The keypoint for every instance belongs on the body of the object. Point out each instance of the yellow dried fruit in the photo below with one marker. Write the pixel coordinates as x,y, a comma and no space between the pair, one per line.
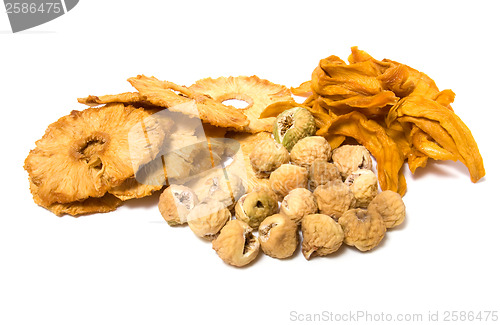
334,198
322,172
255,206
321,235
87,153
288,177
309,149
298,203
106,203
236,245
362,229
364,186
257,93
278,236
207,219
218,186
267,156
175,203
349,158
388,205
132,189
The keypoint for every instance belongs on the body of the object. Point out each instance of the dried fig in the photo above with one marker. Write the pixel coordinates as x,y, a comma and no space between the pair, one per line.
267,156
207,218
292,125
349,158
286,178
322,235
389,205
236,245
175,203
220,188
364,185
309,149
322,172
333,198
362,229
298,203
278,236
255,206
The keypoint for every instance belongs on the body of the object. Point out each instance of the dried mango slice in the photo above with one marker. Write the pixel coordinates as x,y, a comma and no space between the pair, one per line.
444,126
86,153
373,136
304,90
258,93
343,87
184,100
425,144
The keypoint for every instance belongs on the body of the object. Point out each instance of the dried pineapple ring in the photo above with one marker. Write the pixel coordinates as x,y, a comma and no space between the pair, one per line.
132,189
88,152
258,93
104,204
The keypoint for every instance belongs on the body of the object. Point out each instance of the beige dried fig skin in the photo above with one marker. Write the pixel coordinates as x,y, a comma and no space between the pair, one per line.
309,149
219,187
364,185
322,172
255,206
278,236
208,218
288,177
349,158
267,156
390,207
362,229
321,235
333,198
175,203
297,204
236,245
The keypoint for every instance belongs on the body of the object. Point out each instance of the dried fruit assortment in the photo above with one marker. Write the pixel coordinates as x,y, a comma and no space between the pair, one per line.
271,176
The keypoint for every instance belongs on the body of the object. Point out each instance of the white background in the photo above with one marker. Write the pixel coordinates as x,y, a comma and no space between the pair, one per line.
130,267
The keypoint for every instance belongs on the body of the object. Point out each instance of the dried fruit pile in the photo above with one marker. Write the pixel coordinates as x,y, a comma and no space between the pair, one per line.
294,168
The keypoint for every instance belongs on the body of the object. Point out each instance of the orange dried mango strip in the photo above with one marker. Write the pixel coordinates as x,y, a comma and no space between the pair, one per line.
423,143
373,136
304,90
423,110
334,77
416,159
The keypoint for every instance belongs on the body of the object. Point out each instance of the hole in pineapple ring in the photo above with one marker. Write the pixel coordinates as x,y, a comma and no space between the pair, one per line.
239,101
236,103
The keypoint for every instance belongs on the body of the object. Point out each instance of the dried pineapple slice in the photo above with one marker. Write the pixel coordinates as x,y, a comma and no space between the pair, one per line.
106,203
132,189
88,152
258,93
124,98
184,100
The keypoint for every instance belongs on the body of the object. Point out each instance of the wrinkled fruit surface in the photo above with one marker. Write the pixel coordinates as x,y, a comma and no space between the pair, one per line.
278,236
236,245
292,125
322,235
362,230
389,205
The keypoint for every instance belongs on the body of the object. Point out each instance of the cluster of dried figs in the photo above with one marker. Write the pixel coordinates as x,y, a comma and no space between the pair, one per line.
318,196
